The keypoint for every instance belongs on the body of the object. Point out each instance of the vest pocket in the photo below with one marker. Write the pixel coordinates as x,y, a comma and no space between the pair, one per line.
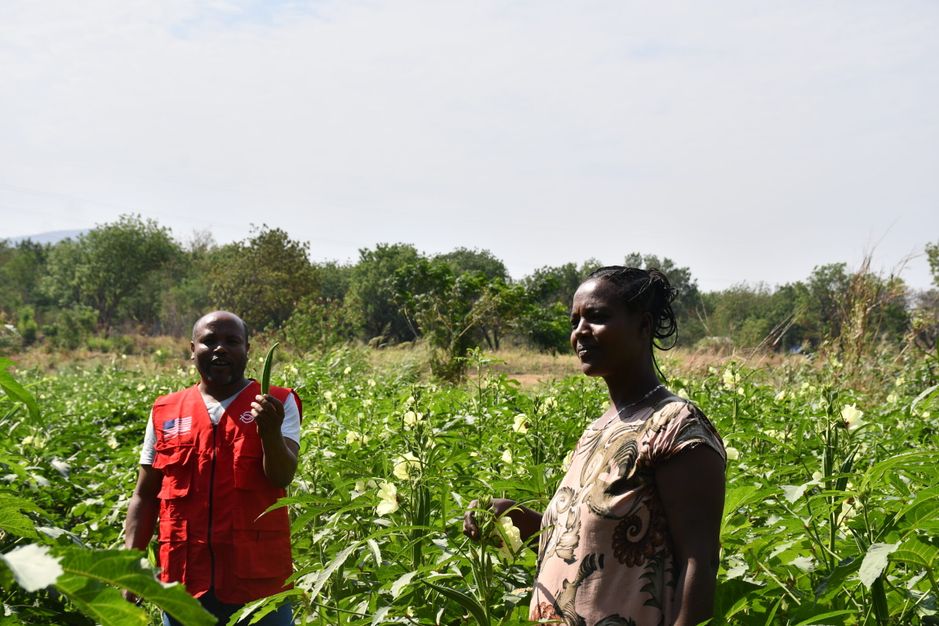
173,549
174,463
262,554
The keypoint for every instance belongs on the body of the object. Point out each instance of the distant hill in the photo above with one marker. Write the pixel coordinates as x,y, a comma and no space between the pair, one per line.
52,236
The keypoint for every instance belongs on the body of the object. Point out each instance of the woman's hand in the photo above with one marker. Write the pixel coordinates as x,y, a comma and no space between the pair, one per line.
526,520
498,506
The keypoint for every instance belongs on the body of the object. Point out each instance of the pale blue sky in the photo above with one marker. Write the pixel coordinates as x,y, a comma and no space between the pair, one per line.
748,140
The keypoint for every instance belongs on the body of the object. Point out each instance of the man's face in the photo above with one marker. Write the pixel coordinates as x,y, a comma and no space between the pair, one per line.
219,349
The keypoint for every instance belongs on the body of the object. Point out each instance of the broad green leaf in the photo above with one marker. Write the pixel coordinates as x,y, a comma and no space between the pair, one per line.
12,517
917,552
875,561
92,579
921,515
918,459
16,391
731,595
104,604
737,497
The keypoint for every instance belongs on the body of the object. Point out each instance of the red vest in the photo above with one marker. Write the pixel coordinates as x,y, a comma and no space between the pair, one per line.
214,490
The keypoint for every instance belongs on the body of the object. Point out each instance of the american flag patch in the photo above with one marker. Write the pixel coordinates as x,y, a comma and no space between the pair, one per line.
176,427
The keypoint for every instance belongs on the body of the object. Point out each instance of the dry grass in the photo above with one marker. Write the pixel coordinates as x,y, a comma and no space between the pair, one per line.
531,368
528,367
144,353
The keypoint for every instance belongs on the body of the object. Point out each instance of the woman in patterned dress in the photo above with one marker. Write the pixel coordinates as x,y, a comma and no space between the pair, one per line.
631,536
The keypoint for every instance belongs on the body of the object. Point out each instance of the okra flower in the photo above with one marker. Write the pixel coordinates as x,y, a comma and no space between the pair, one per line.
387,499
406,466
852,417
731,379
411,419
520,424
511,538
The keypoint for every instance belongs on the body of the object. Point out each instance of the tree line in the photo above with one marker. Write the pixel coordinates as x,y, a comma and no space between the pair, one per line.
133,276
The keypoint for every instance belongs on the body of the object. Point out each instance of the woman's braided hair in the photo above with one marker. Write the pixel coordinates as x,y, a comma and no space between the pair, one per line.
645,291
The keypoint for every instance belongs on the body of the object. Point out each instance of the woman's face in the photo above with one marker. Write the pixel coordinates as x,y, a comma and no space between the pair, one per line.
608,339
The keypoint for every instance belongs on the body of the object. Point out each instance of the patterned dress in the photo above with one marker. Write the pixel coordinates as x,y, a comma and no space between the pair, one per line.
605,556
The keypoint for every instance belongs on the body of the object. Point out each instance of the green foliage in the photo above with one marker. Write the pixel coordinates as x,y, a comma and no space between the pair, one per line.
130,276
389,464
444,307
319,324
87,578
21,267
27,326
92,580
71,326
372,301
188,296
742,312
932,256
12,389
263,278
117,269
463,260
543,321
333,280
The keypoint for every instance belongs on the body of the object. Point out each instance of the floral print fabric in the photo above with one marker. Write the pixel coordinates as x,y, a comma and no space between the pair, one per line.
605,556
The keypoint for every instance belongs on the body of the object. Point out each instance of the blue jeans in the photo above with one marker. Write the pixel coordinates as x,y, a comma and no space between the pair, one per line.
283,616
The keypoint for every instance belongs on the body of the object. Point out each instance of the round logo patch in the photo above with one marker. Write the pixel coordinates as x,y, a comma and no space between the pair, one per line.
247,417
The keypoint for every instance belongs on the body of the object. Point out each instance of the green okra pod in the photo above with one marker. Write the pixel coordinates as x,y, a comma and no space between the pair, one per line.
266,370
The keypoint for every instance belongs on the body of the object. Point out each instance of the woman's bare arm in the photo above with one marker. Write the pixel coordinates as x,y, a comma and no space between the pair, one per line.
691,488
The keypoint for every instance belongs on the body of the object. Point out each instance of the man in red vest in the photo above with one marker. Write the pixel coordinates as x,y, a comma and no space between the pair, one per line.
215,457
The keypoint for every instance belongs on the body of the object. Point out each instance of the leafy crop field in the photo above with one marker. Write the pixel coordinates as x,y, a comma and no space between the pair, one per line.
831,517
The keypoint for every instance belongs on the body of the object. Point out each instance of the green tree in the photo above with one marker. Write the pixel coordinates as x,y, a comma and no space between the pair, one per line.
189,295
932,255
333,280
507,297
262,278
371,301
820,308
21,267
463,260
740,313
117,269
544,320
449,309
